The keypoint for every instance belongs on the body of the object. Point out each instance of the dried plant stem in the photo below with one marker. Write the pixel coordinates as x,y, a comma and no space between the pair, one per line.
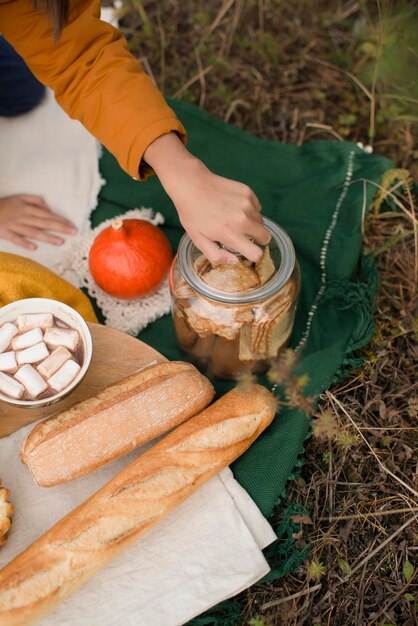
294,596
163,46
234,24
201,78
372,123
341,71
389,604
219,17
371,554
333,400
340,518
191,81
261,15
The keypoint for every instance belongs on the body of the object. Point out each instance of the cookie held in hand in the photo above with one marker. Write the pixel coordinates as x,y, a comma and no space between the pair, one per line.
6,510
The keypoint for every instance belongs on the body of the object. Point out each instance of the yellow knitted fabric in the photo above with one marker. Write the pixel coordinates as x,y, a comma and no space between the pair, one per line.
23,278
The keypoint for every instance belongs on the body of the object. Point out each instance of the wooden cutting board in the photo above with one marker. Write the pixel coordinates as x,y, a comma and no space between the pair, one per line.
115,355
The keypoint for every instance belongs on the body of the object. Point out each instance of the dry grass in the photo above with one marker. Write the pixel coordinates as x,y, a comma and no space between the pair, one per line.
295,72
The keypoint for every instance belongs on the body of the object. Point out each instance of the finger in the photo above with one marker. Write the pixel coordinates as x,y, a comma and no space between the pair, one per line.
256,202
211,250
257,231
48,224
35,233
18,240
257,217
36,200
43,213
243,245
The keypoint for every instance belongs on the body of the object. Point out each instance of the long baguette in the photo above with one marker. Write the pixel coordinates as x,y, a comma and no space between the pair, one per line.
120,418
134,500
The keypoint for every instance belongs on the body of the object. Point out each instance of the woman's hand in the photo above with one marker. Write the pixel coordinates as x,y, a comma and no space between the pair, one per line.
24,218
212,209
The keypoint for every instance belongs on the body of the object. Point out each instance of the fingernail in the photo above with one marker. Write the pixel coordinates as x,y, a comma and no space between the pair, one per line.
74,230
232,260
59,242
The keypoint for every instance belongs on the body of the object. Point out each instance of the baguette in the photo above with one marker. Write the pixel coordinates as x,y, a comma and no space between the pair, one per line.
134,500
122,417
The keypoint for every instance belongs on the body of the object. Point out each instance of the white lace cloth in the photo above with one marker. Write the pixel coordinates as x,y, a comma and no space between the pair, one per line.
130,316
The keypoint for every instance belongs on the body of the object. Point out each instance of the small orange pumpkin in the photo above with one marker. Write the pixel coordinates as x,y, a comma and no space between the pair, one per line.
130,258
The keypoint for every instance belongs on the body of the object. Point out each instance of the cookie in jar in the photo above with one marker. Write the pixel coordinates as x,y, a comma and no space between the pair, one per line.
234,320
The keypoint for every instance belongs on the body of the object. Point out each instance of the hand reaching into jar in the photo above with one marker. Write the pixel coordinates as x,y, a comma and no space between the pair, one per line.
212,209
24,218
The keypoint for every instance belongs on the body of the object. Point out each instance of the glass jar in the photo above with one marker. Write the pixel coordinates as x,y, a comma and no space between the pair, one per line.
234,320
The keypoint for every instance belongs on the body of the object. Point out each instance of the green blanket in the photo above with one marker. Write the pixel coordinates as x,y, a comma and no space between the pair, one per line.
316,192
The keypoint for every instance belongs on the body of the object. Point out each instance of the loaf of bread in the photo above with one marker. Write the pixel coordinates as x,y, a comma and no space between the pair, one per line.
134,500
123,416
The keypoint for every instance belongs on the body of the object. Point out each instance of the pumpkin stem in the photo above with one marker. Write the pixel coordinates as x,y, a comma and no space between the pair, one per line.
117,224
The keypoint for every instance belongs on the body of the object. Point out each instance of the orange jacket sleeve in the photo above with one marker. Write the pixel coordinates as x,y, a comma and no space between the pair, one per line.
95,78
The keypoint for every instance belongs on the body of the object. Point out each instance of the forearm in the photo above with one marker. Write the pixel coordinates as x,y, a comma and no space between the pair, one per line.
168,156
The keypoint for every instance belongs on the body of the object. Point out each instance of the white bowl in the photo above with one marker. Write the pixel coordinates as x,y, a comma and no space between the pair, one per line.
9,313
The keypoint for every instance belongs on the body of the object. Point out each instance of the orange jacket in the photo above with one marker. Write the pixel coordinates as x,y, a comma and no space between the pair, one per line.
95,78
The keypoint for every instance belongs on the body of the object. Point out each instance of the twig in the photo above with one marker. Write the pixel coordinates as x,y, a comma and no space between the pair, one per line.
324,127
342,14
221,14
261,15
330,482
191,81
364,208
234,104
201,79
333,399
234,24
163,46
369,556
269,605
148,69
372,123
341,71
389,427
389,604
340,518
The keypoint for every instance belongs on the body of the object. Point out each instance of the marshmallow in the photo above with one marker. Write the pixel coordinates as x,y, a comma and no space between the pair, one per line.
7,332
67,337
33,383
27,339
34,354
64,376
8,362
35,320
60,323
53,362
10,387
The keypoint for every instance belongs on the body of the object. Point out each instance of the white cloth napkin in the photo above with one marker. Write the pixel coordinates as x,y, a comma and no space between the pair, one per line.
46,153
205,551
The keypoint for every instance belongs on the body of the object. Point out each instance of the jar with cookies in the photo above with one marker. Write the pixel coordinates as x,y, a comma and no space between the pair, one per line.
234,320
